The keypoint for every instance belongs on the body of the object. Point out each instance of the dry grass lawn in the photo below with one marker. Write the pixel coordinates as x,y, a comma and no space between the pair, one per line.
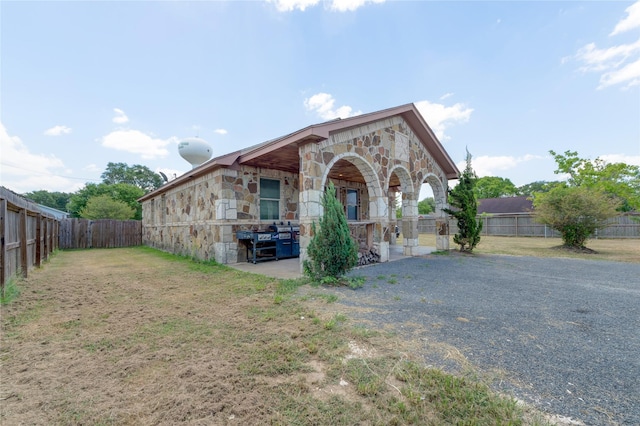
617,250
137,337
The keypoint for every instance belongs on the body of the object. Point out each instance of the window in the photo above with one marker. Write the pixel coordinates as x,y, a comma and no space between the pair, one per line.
352,204
269,199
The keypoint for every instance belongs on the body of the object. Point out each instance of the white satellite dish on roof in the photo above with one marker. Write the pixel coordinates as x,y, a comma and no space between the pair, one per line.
195,150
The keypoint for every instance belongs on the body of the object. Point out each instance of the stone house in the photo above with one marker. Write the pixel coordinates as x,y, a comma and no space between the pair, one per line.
371,159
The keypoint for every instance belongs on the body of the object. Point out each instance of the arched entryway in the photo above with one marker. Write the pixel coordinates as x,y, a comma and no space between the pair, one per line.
404,196
439,192
366,205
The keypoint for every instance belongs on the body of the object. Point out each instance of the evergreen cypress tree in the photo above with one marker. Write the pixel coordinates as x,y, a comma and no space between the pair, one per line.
332,252
463,198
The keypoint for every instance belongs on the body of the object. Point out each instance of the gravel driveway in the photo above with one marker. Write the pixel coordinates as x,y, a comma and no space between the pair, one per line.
561,334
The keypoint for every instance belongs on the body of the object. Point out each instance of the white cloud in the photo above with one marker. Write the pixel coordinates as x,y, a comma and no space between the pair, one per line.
631,21
619,64
290,5
439,116
350,5
334,5
445,96
57,131
322,104
23,171
595,59
633,160
120,117
486,165
136,142
629,73
220,131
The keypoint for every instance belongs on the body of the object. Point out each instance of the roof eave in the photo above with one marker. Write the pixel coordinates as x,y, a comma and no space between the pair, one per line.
209,166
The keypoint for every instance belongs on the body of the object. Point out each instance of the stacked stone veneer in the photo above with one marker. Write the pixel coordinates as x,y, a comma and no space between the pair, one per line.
200,217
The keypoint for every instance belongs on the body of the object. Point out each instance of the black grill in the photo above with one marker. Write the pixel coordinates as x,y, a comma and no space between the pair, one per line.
277,242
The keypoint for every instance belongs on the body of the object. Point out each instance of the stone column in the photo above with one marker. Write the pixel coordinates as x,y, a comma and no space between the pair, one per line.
379,214
442,233
442,219
226,210
310,194
410,223
393,221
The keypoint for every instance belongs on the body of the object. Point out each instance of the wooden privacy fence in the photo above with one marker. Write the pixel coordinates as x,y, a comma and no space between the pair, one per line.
524,225
27,236
101,233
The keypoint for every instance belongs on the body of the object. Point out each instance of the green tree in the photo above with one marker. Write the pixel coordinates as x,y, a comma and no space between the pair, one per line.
124,192
56,200
426,206
576,212
617,179
105,207
494,187
332,252
137,175
463,199
538,186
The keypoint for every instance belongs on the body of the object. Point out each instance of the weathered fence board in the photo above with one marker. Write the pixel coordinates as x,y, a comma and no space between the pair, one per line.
101,233
524,225
27,236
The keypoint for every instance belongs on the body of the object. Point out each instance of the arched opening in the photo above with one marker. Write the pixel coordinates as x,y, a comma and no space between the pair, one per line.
352,188
435,222
437,191
366,208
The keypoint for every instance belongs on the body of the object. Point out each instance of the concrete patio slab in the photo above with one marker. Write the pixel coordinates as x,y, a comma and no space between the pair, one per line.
290,268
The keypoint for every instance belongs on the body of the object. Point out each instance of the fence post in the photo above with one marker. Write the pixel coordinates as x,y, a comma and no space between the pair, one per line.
3,247
46,232
39,242
24,264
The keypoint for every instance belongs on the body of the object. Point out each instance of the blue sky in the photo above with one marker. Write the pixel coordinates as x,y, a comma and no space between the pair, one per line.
87,83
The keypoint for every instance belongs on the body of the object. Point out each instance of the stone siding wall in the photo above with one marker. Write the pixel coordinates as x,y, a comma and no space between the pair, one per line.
200,218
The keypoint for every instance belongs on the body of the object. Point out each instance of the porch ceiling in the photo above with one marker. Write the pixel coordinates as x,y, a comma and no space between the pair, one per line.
285,158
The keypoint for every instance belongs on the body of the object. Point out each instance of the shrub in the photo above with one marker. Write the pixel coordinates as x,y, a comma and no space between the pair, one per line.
575,212
463,198
332,252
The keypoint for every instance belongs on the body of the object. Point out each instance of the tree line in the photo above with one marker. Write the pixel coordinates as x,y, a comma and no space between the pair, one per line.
116,197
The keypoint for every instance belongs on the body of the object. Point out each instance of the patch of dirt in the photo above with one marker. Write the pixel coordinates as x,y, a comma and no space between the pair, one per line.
571,249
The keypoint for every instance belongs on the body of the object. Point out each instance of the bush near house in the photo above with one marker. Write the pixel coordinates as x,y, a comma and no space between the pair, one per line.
332,252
